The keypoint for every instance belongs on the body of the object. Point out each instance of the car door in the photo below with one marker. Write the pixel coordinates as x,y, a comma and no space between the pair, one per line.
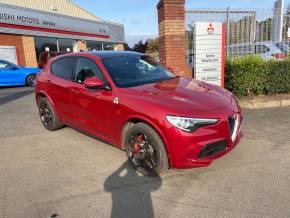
93,109
10,74
58,84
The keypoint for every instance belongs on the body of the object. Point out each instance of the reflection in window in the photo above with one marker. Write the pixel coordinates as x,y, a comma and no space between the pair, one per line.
66,45
99,46
94,46
86,68
109,46
63,68
44,44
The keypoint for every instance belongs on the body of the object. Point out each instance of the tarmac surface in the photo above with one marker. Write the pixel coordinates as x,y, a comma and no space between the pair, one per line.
69,174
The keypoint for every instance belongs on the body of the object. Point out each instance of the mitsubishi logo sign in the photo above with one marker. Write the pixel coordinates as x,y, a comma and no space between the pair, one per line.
209,48
210,29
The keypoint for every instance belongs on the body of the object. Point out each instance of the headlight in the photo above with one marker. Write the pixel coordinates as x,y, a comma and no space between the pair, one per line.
189,124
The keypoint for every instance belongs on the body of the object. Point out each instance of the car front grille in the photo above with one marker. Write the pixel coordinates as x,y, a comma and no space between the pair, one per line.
213,149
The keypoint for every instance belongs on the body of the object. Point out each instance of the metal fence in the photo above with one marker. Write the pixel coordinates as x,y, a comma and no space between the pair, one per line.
251,31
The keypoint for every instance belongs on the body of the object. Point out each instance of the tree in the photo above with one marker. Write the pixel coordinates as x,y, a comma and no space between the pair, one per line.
141,46
127,47
153,45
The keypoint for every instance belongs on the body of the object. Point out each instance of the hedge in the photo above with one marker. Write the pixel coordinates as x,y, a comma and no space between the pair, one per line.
251,75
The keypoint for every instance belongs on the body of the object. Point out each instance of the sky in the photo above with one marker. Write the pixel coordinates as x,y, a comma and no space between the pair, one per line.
140,16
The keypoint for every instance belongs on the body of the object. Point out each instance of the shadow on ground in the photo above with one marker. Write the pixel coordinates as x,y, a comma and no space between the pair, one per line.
14,96
131,192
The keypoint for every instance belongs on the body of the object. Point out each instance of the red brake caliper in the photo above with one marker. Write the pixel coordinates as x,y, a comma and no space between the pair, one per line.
138,140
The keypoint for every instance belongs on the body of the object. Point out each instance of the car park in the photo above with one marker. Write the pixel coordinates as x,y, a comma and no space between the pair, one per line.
134,103
13,75
266,50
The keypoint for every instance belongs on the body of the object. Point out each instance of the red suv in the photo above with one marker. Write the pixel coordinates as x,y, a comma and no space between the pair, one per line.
132,102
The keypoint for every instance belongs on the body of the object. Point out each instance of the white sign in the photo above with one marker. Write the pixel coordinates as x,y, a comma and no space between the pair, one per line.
34,22
41,19
209,52
8,53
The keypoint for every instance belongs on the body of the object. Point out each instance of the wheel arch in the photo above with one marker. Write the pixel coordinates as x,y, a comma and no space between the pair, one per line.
137,119
42,94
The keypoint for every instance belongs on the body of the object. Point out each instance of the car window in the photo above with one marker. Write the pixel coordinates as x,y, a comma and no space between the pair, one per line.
261,49
3,65
86,68
63,68
6,65
136,70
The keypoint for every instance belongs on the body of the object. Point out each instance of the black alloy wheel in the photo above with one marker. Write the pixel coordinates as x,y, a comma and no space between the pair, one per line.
45,115
30,80
145,150
48,116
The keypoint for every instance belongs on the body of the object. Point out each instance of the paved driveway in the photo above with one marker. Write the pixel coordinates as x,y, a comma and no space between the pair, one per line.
68,174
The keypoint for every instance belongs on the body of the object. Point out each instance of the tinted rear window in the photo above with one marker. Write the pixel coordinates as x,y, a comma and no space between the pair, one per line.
63,68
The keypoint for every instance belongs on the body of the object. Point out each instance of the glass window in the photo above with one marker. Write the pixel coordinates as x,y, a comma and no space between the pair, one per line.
66,45
261,49
63,68
108,46
135,70
44,44
94,46
3,65
86,68
7,65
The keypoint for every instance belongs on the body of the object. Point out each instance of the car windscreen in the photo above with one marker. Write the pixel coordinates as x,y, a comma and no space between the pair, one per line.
136,70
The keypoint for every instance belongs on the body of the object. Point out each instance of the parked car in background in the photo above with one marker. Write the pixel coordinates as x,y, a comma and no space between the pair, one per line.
283,46
13,75
131,101
267,50
45,56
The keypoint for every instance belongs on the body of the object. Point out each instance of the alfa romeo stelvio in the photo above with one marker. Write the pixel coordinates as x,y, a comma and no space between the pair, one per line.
132,102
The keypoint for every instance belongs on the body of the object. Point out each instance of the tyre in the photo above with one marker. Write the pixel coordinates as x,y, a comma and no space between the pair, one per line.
145,150
30,79
48,116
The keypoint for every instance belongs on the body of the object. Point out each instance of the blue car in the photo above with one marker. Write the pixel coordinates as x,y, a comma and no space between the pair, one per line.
13,75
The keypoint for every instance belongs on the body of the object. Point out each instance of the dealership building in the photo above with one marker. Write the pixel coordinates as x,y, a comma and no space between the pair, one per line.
32,27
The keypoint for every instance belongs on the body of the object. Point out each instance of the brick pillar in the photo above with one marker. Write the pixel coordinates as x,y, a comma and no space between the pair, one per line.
25,46
119,47
29,51
171,21
81,45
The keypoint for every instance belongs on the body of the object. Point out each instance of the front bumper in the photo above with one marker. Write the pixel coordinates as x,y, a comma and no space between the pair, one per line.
202,147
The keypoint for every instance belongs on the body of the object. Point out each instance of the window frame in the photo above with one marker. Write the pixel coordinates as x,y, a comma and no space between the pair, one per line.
4,63
261,47
94,62
73,69
9,65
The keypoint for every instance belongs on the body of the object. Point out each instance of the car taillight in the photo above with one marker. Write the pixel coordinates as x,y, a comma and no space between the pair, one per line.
279,56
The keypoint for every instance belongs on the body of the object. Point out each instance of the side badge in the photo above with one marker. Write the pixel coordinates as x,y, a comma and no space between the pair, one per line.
116,100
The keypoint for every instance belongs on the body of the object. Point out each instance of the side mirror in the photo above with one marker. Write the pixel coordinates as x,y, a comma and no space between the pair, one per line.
95,83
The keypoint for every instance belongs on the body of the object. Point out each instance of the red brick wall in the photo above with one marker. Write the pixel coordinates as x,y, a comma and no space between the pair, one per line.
82,45
171,19
25,46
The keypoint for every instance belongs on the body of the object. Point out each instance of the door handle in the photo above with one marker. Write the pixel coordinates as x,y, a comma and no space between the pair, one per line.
78,91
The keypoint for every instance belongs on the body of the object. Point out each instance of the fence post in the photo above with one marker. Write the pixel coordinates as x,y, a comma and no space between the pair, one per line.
228,32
